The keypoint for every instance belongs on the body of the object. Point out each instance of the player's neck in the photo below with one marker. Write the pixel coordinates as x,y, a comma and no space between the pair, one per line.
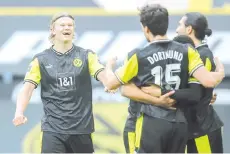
196,41
157,37
63,47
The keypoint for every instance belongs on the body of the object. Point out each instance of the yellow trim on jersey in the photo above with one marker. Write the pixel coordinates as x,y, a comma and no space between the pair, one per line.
194,60
129,70
91,135
41,136
193,80
208,66
94,65
139,125
203,144
33,75
131,140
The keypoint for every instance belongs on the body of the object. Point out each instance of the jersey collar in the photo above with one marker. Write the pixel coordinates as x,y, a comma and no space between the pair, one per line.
202,44
158,41
59,53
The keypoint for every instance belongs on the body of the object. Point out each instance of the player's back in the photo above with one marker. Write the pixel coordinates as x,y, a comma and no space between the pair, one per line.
206,117
165,63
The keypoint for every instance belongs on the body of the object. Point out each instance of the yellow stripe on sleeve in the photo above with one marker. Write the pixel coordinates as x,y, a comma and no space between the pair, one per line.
33,75
129,70
95,66
194,60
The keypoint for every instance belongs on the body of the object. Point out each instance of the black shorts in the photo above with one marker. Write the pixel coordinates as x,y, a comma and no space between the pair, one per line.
154,135
129,141
209,143
63,143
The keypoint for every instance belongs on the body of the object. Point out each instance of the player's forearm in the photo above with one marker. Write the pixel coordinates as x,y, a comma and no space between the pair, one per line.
108,79
22,101
142,98
212,79
155,92
112,81
191,95
218,76
24,98
208,79
134,93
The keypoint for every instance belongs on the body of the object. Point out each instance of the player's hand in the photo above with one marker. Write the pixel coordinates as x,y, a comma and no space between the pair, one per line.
219,65
166,101
111,61
214,96
110,91
19,119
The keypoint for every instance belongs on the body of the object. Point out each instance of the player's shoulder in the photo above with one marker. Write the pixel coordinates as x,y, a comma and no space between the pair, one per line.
204,50
44,53
186,49
181,46
82,50
134,51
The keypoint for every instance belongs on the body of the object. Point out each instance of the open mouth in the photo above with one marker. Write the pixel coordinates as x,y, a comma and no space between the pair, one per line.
66,33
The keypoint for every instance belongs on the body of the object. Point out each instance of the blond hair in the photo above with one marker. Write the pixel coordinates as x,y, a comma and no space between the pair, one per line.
55,18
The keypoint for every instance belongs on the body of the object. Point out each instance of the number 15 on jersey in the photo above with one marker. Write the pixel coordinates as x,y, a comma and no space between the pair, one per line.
169,76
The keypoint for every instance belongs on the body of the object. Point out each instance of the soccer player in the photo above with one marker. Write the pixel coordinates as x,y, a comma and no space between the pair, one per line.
64,72
134,107
129,135
164,63
205,125
195,129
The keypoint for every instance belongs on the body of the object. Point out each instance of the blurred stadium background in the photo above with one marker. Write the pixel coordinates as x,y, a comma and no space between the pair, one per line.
107,27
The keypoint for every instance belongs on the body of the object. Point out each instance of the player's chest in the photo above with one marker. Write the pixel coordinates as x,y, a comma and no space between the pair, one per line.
64,67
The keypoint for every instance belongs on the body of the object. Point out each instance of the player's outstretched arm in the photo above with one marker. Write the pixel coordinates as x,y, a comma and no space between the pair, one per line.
197,70
104,74
208,79
22,102
108,78
121,76
131,91
191,95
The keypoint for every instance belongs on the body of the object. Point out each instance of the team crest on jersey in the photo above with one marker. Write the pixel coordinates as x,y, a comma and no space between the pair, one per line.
77,62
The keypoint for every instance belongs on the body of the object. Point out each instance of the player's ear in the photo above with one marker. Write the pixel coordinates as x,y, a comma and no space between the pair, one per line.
189,30
147,30
52,29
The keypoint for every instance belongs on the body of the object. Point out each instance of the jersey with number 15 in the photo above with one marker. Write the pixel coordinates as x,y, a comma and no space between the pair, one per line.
164,63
